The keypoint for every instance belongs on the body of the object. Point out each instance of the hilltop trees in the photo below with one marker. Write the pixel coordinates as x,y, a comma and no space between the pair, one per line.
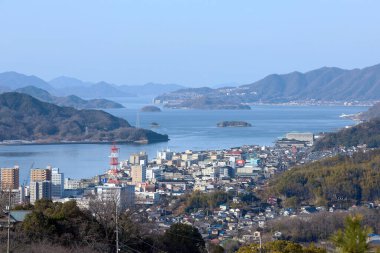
184,239
353,239
342,180
364,133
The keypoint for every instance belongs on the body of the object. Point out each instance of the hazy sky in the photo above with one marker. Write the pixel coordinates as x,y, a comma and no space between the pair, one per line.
189,42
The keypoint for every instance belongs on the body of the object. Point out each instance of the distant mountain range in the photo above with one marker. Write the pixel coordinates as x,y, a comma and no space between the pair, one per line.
23,117
68,85
71,100
65,86
324,84
12,80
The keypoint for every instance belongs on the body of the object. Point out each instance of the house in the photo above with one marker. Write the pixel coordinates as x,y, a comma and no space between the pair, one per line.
373,242
15,217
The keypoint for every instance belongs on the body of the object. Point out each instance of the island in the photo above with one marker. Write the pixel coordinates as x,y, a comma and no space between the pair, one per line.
154,124
233,124
205,103
27,120
150,108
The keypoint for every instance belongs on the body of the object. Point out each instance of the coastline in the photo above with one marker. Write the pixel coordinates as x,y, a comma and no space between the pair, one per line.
31,143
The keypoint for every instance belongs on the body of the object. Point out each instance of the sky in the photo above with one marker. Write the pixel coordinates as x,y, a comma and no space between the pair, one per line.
188,42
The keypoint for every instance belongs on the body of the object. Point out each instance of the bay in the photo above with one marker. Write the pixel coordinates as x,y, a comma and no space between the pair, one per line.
187,129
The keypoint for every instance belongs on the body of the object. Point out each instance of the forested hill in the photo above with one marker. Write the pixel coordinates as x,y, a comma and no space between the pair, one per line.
23,117
364,133
339,180
371,113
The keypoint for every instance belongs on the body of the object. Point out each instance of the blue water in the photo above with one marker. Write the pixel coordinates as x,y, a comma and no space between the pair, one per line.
187,129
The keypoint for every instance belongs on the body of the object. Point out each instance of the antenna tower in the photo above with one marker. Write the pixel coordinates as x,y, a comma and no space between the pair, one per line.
114,159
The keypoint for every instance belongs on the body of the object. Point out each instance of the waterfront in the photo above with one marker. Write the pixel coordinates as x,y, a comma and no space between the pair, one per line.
187,129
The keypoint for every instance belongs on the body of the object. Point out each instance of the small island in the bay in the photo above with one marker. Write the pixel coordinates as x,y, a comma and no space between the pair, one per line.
154,124
150,108
233,124
27,120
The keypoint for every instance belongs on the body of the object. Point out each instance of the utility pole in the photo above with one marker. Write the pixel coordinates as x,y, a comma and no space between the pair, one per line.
9,218
117,229
260,243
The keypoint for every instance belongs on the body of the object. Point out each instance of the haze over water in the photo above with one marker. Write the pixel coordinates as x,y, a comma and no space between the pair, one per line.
187,129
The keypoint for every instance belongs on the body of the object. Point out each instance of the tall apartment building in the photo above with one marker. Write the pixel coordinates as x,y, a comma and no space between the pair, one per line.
138,173
40,184
57,183
38,175
40,190
10,178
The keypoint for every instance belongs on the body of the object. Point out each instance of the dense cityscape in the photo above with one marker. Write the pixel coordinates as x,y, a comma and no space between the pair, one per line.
171,188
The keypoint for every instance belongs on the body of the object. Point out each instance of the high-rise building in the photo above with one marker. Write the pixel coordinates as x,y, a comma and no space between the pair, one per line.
57,183
40,184
38,175
40,190
122,196
10,178
138,173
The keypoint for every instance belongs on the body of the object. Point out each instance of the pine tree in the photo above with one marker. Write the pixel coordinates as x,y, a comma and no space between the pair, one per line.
353,239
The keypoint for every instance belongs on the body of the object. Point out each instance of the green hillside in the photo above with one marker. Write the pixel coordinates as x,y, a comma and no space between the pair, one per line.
340,180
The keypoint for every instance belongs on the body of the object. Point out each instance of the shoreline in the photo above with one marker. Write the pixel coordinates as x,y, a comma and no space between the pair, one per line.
31,143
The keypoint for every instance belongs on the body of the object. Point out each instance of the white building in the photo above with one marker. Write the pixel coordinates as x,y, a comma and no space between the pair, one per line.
40,190
308,137
57,183
165,155
123,196
71,183
147,198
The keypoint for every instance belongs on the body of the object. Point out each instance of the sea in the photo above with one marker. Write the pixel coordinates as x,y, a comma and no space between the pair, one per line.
187,130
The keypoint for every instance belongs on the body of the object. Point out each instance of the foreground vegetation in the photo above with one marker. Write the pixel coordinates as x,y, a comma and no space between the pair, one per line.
57,227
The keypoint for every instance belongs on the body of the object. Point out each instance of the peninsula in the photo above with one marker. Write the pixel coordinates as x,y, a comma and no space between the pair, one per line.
24,119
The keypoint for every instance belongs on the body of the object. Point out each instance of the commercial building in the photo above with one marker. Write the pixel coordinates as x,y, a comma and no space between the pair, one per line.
138,173
57,183
71,183
10,178
122,196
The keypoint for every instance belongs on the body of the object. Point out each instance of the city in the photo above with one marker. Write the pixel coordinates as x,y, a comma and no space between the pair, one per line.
240,208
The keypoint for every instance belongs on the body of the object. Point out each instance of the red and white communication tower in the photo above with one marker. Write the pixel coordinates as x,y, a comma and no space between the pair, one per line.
114,160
